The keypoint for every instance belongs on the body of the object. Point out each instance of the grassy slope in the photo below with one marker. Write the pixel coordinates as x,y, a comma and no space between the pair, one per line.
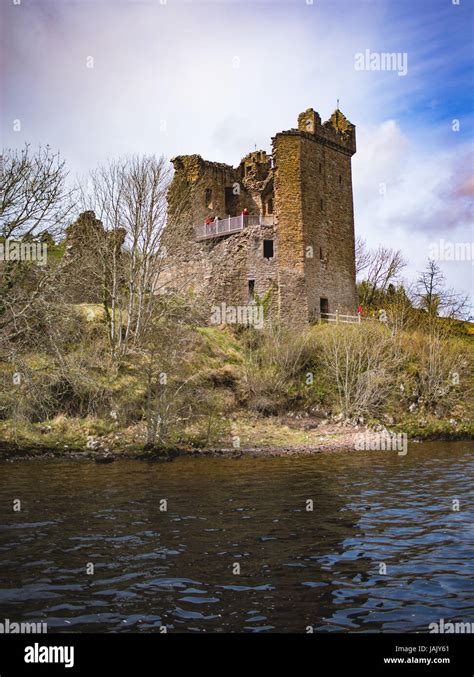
220,359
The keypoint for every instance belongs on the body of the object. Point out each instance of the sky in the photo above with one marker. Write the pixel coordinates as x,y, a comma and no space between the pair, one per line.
97,79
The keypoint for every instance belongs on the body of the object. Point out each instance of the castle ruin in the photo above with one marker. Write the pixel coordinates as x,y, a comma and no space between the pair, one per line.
279,227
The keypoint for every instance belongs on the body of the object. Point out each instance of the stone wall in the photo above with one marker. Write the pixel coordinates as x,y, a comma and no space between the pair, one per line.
221,268
292,302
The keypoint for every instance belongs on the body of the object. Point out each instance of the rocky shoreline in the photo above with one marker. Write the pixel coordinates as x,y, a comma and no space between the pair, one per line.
343,441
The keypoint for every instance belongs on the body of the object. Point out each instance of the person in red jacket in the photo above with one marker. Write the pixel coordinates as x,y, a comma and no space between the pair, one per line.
245,212
360,311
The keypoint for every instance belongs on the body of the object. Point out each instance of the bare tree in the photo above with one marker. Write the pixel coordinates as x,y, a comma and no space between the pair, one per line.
433,297
146,186
362,255
383,268
35,202
34,196
129,196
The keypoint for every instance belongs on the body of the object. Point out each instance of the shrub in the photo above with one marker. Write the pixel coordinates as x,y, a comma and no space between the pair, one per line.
359,364
272,364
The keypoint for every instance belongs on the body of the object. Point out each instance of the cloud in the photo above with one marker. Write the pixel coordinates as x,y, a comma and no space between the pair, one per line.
408,195
465,185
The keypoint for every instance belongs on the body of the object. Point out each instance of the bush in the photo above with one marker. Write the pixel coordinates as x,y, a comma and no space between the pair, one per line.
359,365
440,374
270,367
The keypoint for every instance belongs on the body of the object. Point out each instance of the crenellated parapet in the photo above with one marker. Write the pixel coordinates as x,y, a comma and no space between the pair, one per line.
194,167
337,132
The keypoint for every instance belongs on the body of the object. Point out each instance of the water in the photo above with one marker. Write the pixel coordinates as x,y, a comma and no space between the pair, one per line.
298,568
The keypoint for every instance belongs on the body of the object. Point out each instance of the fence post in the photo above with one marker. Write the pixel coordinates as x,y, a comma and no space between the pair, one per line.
360,319
337,317
229,223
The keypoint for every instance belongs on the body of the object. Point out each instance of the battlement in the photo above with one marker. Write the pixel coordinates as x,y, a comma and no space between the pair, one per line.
337,132
194,167
256,159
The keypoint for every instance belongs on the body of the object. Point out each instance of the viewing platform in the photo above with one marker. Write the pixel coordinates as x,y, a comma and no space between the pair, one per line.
230,225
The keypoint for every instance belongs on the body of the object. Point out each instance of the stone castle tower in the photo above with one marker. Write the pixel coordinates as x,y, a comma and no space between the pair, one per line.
295,246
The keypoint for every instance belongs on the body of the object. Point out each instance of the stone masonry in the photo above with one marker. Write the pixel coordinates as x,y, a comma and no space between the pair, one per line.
296,248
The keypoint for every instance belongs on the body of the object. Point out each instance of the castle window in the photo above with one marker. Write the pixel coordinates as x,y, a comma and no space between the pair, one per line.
340,179
321,204
208,198
320,168
251,291
323,306
268,249
231,201
270,206
321,256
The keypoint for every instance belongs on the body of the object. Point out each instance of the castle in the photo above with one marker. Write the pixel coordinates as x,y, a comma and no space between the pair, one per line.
278,227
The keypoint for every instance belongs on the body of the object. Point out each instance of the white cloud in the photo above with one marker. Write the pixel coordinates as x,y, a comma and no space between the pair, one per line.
427,197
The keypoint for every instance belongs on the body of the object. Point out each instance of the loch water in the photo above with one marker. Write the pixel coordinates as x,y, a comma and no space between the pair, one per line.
387,547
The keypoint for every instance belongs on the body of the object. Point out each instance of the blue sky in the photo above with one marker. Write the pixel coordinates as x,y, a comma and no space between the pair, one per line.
218,77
